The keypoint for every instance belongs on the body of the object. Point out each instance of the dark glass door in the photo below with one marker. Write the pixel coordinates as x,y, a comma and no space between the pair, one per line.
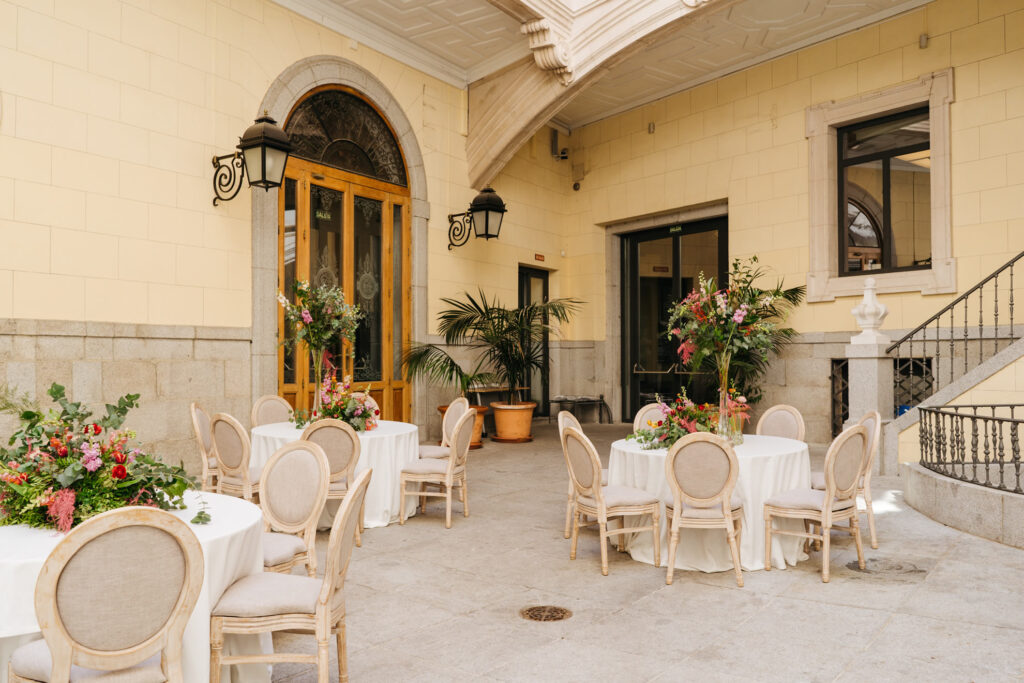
533,288
659,268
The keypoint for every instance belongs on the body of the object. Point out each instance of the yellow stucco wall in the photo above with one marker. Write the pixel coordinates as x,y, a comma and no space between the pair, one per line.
742,139
1005,386
111,114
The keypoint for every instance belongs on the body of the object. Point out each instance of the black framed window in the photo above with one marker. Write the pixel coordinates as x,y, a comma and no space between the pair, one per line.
885,193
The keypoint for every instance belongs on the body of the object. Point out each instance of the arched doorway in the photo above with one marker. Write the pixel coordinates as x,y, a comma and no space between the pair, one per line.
344,219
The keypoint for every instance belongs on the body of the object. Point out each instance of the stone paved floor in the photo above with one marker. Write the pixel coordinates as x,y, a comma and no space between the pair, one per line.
430,604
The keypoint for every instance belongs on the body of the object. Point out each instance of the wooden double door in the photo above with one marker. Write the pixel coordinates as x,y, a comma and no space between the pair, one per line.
347,230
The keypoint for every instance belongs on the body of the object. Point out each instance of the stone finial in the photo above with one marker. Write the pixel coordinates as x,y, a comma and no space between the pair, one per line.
869,314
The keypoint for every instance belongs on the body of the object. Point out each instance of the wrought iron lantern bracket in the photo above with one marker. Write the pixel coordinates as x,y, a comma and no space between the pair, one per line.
459,228
227,177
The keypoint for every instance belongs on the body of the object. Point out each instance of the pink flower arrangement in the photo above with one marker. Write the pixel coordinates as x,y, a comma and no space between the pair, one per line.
338,401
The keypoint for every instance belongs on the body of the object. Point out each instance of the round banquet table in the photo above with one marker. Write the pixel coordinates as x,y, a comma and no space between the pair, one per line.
232,548
768,465
387,448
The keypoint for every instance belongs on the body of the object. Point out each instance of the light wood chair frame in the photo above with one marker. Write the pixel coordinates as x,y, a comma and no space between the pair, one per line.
864,489
802,428
210,473
305,529
454,476
730,520
346,474
567,419
248,489
642,415
326,620
824,519
65,651
602,512
263,400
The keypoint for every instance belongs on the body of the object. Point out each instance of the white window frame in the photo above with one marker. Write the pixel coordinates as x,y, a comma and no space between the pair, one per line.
823,280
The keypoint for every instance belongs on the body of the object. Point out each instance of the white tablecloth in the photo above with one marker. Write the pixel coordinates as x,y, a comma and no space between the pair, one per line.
232,548
387,449
768,465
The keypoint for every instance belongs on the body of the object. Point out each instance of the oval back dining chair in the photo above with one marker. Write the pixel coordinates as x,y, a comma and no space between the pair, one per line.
652,412
701,470
872,421
343,448
451,415
293,490
268,602
443,474
114,596
270,409
782,420
232,448
567,419
603,502
844,462
204,439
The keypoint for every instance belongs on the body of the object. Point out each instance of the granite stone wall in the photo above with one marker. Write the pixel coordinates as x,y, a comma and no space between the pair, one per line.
169,366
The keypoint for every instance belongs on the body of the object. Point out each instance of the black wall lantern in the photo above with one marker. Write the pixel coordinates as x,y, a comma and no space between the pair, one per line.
484,217
262,154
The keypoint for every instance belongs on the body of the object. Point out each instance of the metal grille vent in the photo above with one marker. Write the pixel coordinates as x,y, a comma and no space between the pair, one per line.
545,613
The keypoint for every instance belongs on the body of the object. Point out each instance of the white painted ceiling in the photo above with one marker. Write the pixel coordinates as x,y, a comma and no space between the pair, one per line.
461,41
711,44
458,41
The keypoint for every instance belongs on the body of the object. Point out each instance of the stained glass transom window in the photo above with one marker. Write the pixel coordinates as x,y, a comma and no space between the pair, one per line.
338,129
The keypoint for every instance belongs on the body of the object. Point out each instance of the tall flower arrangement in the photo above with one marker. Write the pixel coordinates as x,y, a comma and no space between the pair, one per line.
63,467
320,317
738,321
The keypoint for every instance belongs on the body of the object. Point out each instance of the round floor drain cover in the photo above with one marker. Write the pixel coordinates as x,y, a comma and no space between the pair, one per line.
545,613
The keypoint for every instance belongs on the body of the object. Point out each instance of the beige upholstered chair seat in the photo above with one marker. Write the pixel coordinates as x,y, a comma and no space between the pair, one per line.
806,499
254,476
212,462
621,496
278,548
713,512
337,487
427,466
33,661
430,451
269,593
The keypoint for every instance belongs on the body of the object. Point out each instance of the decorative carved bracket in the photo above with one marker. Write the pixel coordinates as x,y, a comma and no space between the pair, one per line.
550,53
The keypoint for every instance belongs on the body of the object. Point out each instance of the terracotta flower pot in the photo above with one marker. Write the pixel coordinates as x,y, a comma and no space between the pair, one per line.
513,422
478,425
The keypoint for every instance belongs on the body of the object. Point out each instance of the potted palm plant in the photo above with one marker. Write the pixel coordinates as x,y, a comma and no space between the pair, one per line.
433,363
509,342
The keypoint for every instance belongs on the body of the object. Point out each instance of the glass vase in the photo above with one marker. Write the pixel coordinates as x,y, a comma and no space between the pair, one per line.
724,429
318,381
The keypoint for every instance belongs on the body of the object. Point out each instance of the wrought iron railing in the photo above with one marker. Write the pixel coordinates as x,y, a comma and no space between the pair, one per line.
979,444
964,334
839,379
